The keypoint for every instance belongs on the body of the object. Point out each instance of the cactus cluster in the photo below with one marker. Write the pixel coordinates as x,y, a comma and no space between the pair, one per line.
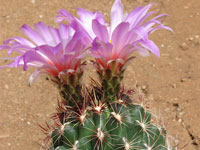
97,124
101,117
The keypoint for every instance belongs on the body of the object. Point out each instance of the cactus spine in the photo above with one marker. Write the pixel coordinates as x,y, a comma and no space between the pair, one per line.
97,122
119,126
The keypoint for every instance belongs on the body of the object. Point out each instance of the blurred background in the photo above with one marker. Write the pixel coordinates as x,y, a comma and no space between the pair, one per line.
171,83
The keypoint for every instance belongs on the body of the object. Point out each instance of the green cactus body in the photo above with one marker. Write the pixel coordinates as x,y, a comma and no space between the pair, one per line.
71,88
110,80
111,76
116,126
104,118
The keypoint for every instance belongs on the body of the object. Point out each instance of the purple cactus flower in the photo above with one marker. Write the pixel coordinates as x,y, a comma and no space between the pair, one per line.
126,33
54,51
83,23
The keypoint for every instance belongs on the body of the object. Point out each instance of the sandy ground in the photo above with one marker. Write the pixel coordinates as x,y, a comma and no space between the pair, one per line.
171,83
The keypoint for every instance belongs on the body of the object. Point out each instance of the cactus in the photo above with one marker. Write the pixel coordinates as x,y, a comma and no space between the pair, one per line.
97,124
105,118
102,117
111,77
71,87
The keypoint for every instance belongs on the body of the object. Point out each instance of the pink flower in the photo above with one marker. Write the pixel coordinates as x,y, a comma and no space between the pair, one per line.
54,51
83,23
127,33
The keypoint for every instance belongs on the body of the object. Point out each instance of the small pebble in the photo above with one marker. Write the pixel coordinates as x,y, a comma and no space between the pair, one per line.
6,86
184,46
179,120
166,110
175,104
162,45
183,80
28,123
173,86
191,39
144,87
41,16
33,1
181,114
178,58
197,40
175,100
4,136
9,144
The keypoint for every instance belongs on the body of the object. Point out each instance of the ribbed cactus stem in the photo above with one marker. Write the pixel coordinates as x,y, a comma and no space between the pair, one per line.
116,126
111,78
70,88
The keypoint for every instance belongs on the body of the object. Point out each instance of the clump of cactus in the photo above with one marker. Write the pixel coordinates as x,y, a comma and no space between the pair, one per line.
99,124
103,116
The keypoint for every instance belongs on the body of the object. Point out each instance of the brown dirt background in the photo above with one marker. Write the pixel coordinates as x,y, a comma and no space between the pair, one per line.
171,83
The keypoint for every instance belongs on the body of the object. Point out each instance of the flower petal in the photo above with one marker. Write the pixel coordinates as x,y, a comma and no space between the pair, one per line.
63,15
144,17
141,51
66,33
116,15
19,48
51,55
45,33
75,47
136,16
33,57
2,47
17,62
150,45
86,18
101,50
160,27
55,34
34,76
100,31
32,35
21,41
119,36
